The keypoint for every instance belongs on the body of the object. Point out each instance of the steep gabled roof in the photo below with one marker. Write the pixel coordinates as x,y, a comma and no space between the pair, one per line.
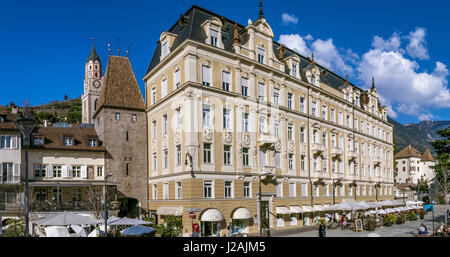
192,29
93,55
427,157
408,152
120,88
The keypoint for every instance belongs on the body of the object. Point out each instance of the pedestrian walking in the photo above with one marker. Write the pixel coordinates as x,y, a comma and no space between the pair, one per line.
322,230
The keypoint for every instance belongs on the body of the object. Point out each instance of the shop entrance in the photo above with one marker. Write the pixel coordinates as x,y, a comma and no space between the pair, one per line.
209,228
265,214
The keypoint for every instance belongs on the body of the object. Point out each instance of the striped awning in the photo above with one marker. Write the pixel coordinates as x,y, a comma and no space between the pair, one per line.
308,208
296,209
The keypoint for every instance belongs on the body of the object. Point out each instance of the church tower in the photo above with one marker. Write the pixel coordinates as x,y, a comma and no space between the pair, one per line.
92,85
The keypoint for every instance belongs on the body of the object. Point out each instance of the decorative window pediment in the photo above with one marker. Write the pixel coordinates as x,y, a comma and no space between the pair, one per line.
213,30
166,40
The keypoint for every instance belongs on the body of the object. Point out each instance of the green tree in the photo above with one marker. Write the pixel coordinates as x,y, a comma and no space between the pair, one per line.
172,227
441,169
16,228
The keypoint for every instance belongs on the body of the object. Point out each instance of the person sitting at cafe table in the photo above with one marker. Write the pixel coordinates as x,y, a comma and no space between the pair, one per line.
423,229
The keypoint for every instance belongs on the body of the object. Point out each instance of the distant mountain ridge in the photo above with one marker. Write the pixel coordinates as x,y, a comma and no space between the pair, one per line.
418,135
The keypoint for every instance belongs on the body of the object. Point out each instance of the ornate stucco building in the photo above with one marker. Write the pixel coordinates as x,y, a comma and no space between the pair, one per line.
226,103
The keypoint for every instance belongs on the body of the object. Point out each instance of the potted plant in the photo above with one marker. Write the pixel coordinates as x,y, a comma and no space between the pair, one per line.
412,215
371,224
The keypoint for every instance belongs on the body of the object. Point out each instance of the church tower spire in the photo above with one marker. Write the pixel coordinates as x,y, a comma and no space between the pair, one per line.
92,85
261,13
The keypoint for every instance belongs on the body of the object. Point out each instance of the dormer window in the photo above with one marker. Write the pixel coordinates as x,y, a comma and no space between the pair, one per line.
313,79
261,54
68,141
214,37
294,69
92,142
164,50
37,141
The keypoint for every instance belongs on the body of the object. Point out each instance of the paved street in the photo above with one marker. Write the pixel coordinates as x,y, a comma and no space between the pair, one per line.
409,229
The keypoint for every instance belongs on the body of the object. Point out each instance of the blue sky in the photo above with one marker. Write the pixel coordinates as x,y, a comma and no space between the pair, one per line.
404,44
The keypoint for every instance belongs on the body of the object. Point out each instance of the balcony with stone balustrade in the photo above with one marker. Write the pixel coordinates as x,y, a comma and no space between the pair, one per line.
317,148
352,155
336,152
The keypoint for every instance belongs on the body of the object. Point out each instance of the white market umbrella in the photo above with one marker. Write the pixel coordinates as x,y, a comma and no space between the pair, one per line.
95,232
57,231
381,211
66,218
79,230
128,221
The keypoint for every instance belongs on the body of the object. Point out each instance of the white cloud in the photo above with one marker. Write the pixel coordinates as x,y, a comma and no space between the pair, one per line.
325,52
416,47
392,43
425,116
289,18
401,83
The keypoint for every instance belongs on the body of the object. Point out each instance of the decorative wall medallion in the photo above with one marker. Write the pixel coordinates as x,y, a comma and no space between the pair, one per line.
291,146
208,135
246,139
278,144
164,142
154,145
177,138
228,137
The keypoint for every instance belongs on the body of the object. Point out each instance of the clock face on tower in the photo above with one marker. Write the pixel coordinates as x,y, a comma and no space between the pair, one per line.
96,83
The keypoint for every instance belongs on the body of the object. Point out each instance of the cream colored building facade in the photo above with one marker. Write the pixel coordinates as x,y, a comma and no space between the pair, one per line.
242,105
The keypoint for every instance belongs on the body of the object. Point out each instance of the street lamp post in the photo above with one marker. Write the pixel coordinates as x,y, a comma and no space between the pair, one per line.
26,125
105,212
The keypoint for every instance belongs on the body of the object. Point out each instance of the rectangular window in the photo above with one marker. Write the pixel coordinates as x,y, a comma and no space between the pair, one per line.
228,189
39,171
332,115
155,191
292,190
261,91
164,122
277,160
164,49
291,161
276,96
154,162
206,75
289,101
99,171
177,78
206,116
289,132
178,147
294,69
348,121
302,104
361,126
208,189
227,155
245,122
302,135
163,88
313,108
324,112
92,142
178,117
302,163
316,190
279,189
154,129
178,190
226,118
206,153
244,86
166,159
226,80
276,128
325,190
68,141
261,54
340,121
214,37
153,95
262,124
57,171
262,157
37,141
304,189
166,191
247,192
117,116
245,156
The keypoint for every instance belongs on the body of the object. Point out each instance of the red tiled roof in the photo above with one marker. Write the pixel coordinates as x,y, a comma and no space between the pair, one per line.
408,152
427,157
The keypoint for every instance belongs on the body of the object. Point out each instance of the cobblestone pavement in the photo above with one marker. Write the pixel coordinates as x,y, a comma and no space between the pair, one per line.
408,229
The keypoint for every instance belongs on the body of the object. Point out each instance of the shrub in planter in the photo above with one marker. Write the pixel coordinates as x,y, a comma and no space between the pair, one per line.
390,219
412,215
400,219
